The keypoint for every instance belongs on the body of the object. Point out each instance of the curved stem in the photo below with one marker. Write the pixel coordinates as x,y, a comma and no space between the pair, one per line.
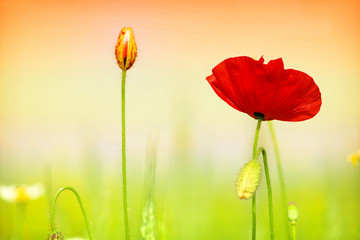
293,229
126,218
281,176
81,206
267,175
257,131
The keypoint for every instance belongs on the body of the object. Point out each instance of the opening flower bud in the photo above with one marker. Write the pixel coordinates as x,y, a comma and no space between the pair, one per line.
248,179
293,212
125,49
56,236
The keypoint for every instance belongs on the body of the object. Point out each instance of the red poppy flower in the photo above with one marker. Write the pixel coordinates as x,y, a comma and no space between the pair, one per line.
266,91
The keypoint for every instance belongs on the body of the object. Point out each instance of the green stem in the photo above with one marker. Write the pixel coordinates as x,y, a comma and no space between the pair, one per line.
126,218
281,176
267,175
53,229
293,229
257,131
256,137
254,217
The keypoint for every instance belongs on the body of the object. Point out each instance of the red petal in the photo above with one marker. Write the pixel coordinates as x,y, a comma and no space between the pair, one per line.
220,89
299,98
251,86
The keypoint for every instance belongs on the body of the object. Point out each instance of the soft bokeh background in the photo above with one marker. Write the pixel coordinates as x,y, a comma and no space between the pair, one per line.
60,112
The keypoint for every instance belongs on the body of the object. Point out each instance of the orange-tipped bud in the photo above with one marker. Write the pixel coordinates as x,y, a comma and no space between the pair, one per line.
125,49
55,236
248,179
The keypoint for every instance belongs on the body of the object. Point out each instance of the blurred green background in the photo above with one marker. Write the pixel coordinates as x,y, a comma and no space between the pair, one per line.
60,115
194,198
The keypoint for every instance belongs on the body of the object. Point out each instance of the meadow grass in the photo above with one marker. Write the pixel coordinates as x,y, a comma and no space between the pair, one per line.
191,202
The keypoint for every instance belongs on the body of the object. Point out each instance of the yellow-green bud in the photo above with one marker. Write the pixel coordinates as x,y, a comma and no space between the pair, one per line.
293,212
55,236
248,179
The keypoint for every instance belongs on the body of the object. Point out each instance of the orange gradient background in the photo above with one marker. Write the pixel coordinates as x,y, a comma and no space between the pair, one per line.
60,84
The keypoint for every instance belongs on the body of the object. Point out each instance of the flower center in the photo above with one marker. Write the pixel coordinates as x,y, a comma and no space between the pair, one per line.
22,196
259,115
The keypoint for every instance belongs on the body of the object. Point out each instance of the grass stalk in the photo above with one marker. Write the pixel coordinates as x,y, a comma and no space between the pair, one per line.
149,220
281,176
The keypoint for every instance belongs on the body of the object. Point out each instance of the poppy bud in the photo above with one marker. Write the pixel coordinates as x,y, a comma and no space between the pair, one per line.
125,49
56,236
293,212
248,179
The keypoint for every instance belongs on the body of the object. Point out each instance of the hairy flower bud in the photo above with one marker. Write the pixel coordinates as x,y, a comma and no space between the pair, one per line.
55,236
293,212
248,179
125,49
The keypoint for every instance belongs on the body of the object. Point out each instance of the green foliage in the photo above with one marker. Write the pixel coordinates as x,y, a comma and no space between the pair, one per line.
189,203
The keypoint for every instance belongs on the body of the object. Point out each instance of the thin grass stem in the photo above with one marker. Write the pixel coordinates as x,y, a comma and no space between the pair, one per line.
281,176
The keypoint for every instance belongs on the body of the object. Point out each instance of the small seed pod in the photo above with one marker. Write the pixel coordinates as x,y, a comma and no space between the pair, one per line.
293,212
55,236
248,179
